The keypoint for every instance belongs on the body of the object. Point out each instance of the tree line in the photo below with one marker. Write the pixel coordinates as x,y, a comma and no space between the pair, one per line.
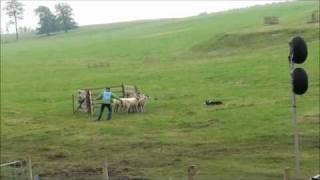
49,22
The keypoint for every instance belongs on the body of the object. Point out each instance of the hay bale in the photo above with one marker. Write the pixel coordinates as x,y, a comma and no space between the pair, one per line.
271,20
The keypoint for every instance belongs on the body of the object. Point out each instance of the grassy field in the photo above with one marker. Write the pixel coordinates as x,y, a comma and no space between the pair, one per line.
230,56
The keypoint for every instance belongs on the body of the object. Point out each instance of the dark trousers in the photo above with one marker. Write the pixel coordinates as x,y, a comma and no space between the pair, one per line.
102,109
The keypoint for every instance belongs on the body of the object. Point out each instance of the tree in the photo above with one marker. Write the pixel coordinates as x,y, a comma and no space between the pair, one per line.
64,13
48,22
14,10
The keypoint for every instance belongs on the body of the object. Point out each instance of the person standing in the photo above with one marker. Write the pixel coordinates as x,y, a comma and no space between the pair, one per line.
107,98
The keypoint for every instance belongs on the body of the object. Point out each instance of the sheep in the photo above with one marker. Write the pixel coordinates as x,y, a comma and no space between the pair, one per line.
82,95
116,104
133,104
142,100
129,104
136,103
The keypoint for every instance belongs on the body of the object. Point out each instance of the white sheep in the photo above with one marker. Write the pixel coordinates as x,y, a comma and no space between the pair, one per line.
129,104
82,103
142,100
116,105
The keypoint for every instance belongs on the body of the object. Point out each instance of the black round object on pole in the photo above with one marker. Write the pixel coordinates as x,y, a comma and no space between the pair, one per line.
299,50
299,81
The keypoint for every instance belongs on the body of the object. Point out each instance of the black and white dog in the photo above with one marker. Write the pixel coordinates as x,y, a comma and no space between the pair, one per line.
212,103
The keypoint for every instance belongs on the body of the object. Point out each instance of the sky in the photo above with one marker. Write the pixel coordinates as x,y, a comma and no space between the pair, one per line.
101,12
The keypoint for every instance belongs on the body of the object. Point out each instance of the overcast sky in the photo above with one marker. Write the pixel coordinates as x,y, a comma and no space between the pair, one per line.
100,12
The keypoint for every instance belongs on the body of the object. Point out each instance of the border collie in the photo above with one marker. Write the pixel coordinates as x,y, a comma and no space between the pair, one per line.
212,103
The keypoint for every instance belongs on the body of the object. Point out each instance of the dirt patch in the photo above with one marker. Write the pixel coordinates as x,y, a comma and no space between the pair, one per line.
73,172
56,156
212,150
124,162
151,60
314,118
163,33
119,171
232,106
125,170
148,145
191,126
248,40
178,96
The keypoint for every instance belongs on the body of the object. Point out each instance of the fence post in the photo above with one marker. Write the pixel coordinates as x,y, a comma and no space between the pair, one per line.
123,90
88,101
72,104
191,172
91,103
105,170
30,168
286,175
135,88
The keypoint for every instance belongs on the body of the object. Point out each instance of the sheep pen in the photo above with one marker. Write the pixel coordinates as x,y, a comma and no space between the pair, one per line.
132,99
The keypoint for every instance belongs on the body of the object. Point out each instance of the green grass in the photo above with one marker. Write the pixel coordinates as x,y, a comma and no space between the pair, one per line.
230,56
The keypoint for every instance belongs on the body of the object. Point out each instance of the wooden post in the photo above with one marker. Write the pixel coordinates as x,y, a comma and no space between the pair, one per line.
15,172
105,170
91,103
123,90
135,88
88,101
191,172
72,104
286,175
30,168
22,168
12,173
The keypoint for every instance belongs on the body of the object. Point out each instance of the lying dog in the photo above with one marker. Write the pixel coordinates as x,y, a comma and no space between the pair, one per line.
212,103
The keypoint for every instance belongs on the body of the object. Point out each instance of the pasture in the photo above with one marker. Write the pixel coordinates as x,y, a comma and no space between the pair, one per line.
230,56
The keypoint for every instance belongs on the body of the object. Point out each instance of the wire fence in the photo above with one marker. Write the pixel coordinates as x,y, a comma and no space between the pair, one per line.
11,173
212,177
13,169
25,169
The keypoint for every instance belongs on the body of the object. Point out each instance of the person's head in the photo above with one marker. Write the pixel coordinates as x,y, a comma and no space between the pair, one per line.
107,89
